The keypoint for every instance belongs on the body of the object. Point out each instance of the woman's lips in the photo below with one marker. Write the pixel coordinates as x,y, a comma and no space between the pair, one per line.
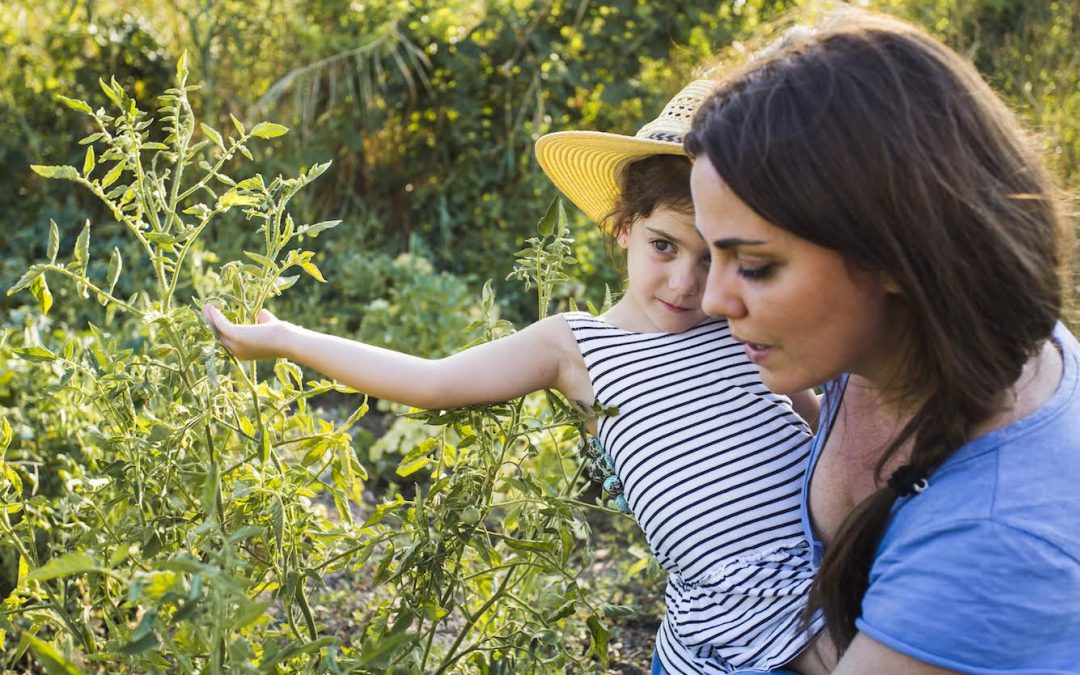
757,353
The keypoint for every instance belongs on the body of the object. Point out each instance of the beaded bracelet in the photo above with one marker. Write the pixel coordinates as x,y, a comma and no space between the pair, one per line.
601,469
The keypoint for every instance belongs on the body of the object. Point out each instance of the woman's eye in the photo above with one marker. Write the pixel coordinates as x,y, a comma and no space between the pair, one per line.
662,245
756,273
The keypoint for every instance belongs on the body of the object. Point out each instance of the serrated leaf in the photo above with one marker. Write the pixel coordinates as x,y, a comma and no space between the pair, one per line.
82,246
25,280
40,290
88,162
54,241
213,135
75,104
598,636
66,565
269,130
261,259
113,175
5,434
314,230
234,198
116,264
35,353
62,172
50,658
181,67
547,224
311,269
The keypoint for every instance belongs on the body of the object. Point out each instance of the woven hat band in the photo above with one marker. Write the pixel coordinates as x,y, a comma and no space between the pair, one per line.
587,165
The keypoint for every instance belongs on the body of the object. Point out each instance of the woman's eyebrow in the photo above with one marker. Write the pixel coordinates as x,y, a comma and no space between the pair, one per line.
735,242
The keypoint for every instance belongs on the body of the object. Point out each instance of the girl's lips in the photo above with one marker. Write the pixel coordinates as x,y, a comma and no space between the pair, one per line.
674,308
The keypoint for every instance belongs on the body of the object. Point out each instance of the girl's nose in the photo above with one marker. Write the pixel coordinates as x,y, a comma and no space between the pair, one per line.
722,297
687,280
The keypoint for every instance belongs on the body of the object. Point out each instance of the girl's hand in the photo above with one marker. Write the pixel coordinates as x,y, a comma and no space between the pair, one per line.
262,340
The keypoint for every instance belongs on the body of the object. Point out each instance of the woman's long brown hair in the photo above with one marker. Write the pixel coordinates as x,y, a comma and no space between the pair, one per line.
869,137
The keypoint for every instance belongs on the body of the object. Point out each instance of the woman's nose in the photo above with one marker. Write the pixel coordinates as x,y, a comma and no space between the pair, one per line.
722,297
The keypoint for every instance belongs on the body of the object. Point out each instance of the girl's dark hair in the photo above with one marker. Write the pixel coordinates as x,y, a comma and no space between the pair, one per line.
869,137
645,185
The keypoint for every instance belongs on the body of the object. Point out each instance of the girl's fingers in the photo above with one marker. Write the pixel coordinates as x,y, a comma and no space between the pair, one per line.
265,316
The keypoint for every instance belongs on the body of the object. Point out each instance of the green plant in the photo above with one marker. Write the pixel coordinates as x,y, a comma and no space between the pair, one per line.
197,504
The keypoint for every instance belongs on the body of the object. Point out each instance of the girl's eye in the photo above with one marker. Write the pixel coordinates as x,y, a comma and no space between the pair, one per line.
757,273
662,245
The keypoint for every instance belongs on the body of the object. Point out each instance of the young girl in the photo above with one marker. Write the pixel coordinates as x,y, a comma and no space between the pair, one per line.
710,461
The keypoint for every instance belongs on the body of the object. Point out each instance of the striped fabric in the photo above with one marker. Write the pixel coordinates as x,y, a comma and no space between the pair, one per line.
711,464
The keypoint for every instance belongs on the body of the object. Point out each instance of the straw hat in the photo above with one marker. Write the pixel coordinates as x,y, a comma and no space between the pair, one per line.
585,165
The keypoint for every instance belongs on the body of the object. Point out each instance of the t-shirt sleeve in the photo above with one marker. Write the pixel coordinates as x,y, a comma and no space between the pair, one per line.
976,596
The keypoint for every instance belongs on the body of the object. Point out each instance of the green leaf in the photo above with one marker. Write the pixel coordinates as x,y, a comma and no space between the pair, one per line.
75,562
311,269
54,240
63,172
25,280
269,130
82,246
52,660
75,104
181,67
547,224
114,173
35,353
40,290
598,636
409,468
5,435
261,259
116,264
88,163
213,135
237,124
314,230
379,653
234,198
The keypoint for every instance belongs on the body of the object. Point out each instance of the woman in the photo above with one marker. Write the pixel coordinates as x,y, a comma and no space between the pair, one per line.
881,226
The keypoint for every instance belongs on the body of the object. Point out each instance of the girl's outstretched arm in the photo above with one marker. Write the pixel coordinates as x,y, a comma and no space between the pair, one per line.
527,361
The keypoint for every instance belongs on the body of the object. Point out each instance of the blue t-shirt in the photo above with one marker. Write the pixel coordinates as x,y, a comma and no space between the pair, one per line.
980,572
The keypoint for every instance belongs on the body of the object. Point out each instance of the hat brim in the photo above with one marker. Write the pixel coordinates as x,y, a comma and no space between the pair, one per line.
585,165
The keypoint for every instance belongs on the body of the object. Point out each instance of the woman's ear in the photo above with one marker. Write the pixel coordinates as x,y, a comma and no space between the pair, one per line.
622,236
891,286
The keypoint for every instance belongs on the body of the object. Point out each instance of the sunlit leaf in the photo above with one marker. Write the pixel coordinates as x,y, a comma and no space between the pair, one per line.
35,353
82,246
54,241
269,130
234,198
63,172
75,104
66,565
311,269
88,162
213,135
40,290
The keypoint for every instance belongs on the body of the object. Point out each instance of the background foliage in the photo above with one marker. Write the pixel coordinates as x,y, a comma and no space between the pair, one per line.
427,111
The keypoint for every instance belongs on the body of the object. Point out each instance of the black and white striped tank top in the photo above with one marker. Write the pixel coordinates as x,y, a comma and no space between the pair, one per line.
712,464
